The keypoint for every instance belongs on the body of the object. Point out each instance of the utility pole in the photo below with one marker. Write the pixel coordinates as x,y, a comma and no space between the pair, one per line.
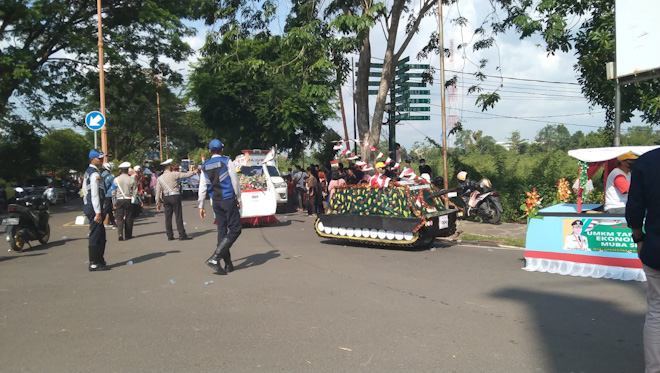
392,121
160,133
355,136
104,130
441,45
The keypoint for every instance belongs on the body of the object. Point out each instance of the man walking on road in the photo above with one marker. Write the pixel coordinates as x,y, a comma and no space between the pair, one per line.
644,202
93,196
168,194
123,195
219,179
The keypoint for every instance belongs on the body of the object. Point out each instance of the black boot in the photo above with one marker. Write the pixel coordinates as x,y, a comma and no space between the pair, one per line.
96,260
220,252
229,266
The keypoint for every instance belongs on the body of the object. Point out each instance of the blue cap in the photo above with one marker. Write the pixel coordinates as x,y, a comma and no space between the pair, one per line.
96,154
215,144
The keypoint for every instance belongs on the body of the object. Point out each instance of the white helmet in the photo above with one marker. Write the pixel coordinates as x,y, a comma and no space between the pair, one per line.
109,166
50,195
462,176
137,168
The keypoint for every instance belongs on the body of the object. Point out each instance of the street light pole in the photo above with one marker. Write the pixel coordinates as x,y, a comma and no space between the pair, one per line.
441,45
104,130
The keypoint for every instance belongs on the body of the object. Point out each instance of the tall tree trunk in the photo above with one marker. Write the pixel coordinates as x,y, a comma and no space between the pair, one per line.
389,67
362,95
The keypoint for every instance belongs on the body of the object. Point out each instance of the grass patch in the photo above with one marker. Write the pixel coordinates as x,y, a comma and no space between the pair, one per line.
518,242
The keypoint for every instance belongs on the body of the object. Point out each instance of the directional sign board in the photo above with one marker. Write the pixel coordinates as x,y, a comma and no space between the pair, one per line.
95,120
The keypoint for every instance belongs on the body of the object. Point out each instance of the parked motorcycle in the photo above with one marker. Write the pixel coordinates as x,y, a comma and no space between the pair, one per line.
28,218
480,200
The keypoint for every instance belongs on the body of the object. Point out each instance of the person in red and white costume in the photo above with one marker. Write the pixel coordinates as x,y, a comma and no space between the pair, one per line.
408,172
379,180
618,183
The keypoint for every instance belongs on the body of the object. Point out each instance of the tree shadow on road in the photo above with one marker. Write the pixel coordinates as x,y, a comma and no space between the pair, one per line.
580,334
144,258
257,259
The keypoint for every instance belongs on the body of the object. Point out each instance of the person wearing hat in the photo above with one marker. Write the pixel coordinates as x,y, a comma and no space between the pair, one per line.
220,181
168,194
93,196
107,177
575,240
379,180
618,183
124,194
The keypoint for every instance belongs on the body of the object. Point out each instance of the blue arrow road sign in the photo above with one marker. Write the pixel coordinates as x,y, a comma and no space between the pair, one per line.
95,120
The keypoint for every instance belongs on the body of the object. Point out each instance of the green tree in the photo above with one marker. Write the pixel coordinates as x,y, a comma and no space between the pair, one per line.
64,150
19,149
554,137
132,113
325,152
517,142
39,36
263,90
594,45
640,135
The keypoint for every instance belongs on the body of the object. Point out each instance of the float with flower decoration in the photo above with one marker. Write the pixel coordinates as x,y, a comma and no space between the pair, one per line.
405,214
580,239
258,191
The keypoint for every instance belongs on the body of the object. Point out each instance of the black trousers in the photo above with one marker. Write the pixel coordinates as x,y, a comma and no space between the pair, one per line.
173,206
228,219
124,213
107,210
96,237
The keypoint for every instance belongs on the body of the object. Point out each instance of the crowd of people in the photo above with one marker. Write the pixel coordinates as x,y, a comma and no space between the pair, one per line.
311,189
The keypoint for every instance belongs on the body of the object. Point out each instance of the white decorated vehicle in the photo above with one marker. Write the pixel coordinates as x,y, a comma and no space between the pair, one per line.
262,187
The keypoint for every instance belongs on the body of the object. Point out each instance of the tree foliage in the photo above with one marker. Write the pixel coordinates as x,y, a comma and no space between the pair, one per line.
261,90
593,43
19,148
64,150
48,47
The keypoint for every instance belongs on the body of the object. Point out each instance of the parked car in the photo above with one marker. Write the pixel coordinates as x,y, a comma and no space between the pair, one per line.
41,183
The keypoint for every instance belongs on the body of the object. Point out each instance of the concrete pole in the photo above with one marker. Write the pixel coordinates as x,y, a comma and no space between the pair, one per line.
104,130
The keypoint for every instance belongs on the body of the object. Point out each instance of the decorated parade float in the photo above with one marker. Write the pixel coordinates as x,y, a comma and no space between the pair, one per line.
580,239
258,193
404,215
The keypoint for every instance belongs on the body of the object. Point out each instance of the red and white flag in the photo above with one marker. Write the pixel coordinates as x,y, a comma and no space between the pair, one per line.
380,155
360,163
368,168
388,160
346,152
203,158
396,166
334,163
353,157
337,147
373,148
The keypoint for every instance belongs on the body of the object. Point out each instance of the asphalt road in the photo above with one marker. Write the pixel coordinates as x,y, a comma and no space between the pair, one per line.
297,303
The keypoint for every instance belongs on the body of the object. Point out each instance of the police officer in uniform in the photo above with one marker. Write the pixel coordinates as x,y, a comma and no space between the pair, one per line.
220,181
123,194
168,194
93,196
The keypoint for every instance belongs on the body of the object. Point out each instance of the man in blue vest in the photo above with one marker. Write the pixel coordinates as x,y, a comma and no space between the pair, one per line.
220,181
93,195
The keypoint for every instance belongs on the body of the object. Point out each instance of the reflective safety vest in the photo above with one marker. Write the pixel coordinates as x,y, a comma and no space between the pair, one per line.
216,171
87,186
